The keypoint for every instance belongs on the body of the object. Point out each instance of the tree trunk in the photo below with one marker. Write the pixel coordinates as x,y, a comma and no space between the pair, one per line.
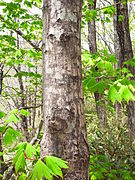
101,112
22,103
1,77
123,49
65,127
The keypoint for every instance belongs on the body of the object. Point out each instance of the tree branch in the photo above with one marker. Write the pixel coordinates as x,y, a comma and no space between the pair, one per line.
33,141
21,34
10,173
31,107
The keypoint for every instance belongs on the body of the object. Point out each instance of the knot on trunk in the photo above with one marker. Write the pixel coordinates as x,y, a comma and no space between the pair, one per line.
65,37
60,119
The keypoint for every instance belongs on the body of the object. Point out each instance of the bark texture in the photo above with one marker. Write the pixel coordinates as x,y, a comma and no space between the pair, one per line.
123,49
122,42
65,127
101,112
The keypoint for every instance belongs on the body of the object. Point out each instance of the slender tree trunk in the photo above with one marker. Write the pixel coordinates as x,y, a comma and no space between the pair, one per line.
101,112
1,77
23,103
123,49
1,158
65,127
92,31
35,103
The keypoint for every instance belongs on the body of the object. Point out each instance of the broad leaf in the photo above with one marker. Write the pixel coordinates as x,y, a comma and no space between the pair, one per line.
2,114
30,151
41,170
56,164
20,164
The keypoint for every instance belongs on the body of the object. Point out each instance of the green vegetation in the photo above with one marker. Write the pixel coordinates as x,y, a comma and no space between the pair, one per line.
111,140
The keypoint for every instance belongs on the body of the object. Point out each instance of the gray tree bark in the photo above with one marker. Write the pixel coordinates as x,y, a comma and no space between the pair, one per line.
101,112
65,127
123,49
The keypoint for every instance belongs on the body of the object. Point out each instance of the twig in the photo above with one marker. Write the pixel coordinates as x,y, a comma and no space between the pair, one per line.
33,141
21,34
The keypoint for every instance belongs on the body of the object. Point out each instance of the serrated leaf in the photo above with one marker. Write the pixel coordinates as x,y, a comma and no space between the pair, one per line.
20,164
24,112
12,118
7,139
10,136
41,170
15,159
14,111
56,164
30,151
126,94
20,146
113,95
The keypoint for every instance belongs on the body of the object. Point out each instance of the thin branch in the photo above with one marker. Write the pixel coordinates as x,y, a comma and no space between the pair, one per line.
21,34
33,141
105,43
31,107
10,173
7,72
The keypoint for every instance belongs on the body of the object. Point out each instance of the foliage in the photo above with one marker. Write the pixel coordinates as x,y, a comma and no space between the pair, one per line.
112,151
100,76
26,156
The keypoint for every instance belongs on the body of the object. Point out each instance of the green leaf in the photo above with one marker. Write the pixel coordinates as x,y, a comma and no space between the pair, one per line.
12,118
7,139
41,170
107,20
10,136
89,83
1,154
126,94
93,177
19,1
2,114
15,159
30,151
2,3
2,129
24,112
29,64
120,18
20,164
113,95
20,146
108,66
56,164
22,177
14,111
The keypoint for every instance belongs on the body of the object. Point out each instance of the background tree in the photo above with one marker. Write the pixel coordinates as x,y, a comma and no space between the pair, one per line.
123,50
99,98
